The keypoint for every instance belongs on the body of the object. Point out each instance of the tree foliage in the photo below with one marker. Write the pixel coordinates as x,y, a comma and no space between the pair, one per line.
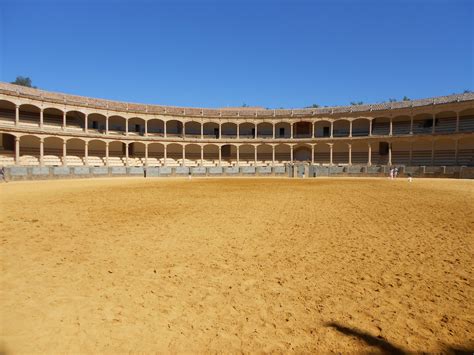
23,81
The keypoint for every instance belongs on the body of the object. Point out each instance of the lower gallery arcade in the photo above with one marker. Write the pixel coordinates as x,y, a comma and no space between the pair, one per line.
35,150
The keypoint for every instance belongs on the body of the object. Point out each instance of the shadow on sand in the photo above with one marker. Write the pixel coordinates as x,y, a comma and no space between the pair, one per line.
370,340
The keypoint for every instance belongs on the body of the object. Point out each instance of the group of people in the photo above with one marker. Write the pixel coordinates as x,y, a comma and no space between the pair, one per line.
393,172
2,174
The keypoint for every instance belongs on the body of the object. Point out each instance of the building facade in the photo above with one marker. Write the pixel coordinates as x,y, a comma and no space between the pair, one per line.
40,128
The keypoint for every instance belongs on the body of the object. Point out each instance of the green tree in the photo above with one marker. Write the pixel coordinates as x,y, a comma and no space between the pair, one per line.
354,103
392,100
23,81
313,106
406,98
467,91
244,105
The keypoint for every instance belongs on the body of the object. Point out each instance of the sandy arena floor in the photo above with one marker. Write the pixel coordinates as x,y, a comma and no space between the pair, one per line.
229,265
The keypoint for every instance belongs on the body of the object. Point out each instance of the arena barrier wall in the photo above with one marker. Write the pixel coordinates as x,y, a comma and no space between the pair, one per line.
296,171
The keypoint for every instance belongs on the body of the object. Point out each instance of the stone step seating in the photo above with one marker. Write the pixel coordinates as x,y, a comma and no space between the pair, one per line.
466,124
402,127
93,160
115,161
73,160
52,160
6,158
446,125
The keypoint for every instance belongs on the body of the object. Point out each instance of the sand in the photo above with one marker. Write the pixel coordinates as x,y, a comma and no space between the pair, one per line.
237,265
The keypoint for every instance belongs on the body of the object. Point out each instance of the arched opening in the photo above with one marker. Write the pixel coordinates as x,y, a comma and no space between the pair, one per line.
321,153
341,128
136,126
302,129
7,112
246,155
174,154
53,151
322,128
30,115
247,130
361,127
156,154
381,126
193,129
282,130
7,149
445,122
174,128
229,130
265,130
422,123
52,118
211,130
465,152
444,152
136,154
282,154
380,153
75,149
156,127
229,153
75,120
211,155
264,154
193,154
96,153
302,153
360,153
29,151
340,153
466,120
96,122
117,125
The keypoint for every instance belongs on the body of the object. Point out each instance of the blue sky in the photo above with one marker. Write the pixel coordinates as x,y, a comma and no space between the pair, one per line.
265,53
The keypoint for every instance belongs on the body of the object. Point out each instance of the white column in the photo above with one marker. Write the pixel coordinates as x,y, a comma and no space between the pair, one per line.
390,153
238,155
86,128
312,129
164,129
17,115
107,125
220,130
146,153
291,133
164,154
202,130
411,124
184,154
457,122
220,153
126,154
291,153
350,128
17,150
255,154
107,154
202,154
273,131
369,160
41,151
86,153
350,154
370,128
256,131
332,129
391,127
41,118
238,131
184,129
434,124
64,120
65,152
330,154
273,152
126,127
146,128
312,154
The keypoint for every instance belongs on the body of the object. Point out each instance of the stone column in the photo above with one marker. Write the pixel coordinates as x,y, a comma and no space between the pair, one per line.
330,154
17,115
411,124
126,126
273,131
256,131
64,120
238,154
312,154
220,155
126,155
107,154
65,152
332,129
146,153
390,153
220,130
184,129
350,129
238,131
390,132
184,155
107,125
350,154
370,128
17,150
164,154
369,160
255,154
273,152
291,132
41,152
146,128
434,124
291,152
202,155
86,119
312,129
202,130
41,118
86,153
164,129
457,122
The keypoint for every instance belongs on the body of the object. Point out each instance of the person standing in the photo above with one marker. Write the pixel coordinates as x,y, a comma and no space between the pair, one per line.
2,174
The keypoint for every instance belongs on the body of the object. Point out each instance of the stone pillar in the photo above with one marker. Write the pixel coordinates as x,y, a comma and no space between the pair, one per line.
291,132
256,131
291,153
64,120
411,124
330,154
390,153
255,154
369,160
434,124
273,151
126,155
457,122
220,130
273,131
86,153
17,150
238,131
107,125
312,154
238,155
107,154
332,129
184,155
17,115
370,128
391,127
65,152
126,126
202,154
184,129
41,151
312,129
350,154
146,153
202,130
146,128
164,129
350,128
164,153
220,155
41,118
86,118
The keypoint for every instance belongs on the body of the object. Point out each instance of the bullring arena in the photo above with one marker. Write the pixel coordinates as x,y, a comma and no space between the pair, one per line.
240,257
